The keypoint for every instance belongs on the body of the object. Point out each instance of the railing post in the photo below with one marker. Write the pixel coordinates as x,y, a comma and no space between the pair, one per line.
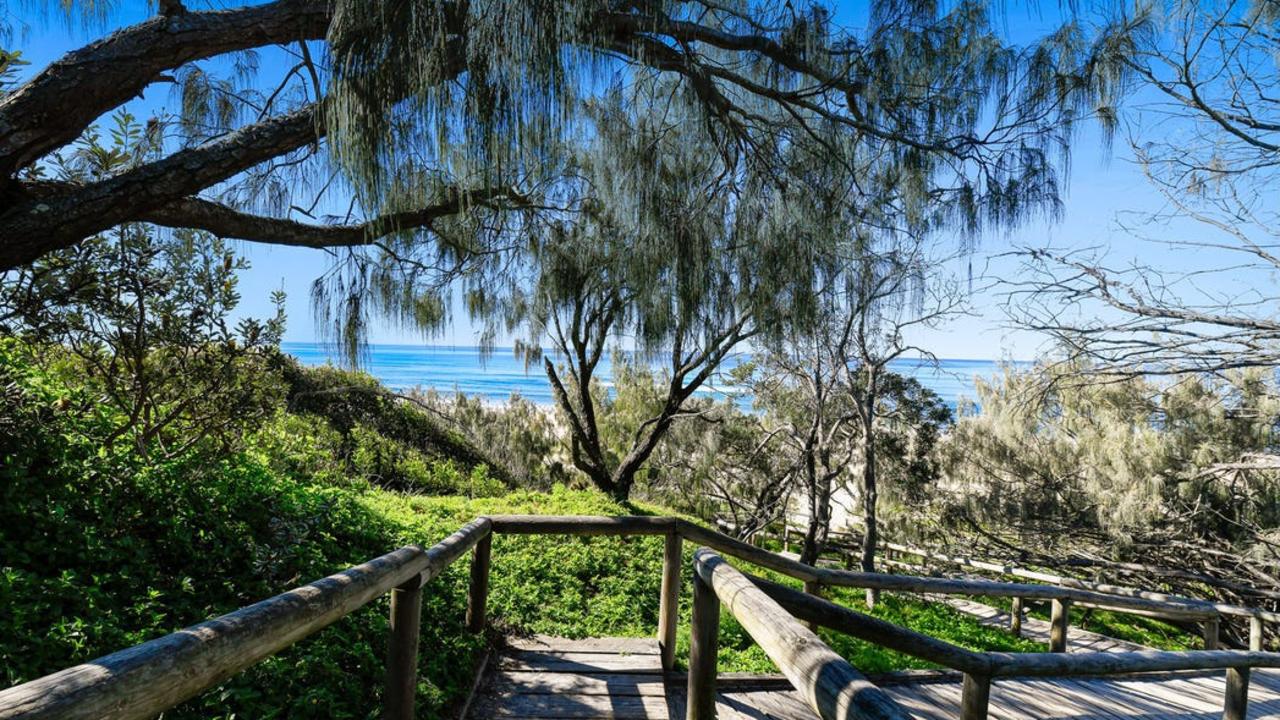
1237,696
703,646
974,697
669,606
1255,633
1015,616
814,588
1210,629
402,651
478,598
1058,622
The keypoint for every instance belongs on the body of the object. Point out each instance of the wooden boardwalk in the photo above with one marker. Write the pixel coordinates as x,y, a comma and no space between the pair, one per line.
544,678
1038,630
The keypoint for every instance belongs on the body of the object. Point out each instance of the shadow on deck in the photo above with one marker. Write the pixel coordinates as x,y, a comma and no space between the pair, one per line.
621,678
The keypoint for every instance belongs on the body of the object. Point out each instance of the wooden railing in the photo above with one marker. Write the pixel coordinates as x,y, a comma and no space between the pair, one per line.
1257,616
1170,607
147,679
980,668
827,681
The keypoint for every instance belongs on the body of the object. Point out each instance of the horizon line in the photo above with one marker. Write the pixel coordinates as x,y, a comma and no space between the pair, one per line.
334,347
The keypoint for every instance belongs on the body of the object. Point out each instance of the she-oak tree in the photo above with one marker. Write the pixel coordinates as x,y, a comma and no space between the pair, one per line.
506,67
442,127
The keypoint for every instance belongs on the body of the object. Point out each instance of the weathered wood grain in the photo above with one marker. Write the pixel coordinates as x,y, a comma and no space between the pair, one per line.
576,662
927,696
669,604
1236,700
549,643
517,682
1209,630
478,596
565,706
402,651
1115,663
1059,619
830,685
825,613
975,695
956,586
620,645
703,646
582,524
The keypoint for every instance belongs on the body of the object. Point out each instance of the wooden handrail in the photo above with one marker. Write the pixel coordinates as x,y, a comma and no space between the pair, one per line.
1210,625
837,617
980,668
582,524
147,679
1107,588
827,614
827,681
1124,663
750,553
1209,620
954,586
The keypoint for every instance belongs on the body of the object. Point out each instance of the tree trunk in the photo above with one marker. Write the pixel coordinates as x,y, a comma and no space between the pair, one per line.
815,536
870,536
870,495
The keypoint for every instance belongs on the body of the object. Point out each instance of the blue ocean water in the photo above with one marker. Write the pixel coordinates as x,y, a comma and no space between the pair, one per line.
499,374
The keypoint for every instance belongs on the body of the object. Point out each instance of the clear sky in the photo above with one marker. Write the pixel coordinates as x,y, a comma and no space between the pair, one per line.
1102,185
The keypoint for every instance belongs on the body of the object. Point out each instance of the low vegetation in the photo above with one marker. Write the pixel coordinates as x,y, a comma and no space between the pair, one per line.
776,196
92,567
1143,482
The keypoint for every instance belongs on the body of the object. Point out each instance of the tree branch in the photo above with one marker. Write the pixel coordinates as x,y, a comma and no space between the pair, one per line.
228,222
45,223
56,106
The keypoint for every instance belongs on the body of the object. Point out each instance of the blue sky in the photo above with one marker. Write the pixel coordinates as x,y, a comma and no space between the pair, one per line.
1102,185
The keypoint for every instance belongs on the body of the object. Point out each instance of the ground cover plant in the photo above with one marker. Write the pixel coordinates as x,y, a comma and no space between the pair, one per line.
90,565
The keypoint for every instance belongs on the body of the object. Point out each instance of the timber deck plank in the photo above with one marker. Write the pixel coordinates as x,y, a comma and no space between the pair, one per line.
1034,628
546,678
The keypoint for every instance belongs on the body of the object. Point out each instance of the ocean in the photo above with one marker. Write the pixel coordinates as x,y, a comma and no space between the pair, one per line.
496,376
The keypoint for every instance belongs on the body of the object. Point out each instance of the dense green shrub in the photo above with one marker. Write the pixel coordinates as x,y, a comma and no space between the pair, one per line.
517,434
393,465
100,550
354,402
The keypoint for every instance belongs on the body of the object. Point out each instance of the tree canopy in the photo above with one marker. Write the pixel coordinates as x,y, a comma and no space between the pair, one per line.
1205,130
443,126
